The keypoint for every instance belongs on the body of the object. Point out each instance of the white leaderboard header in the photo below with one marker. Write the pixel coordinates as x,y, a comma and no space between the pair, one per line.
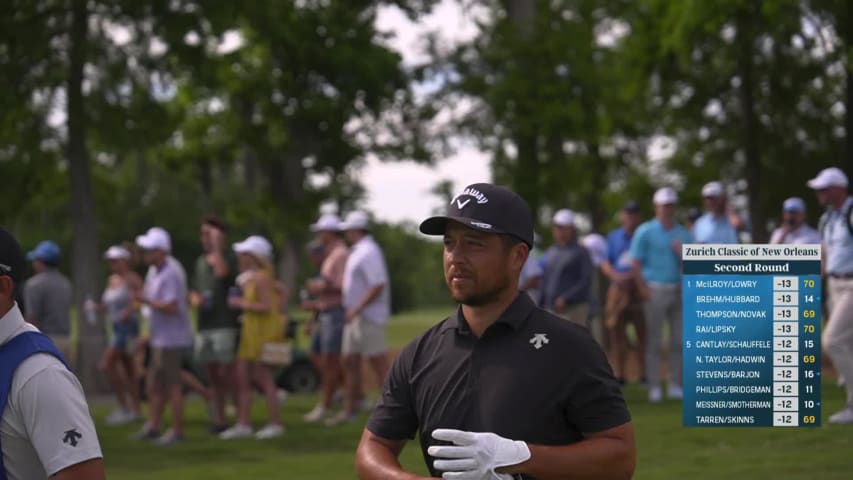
711,251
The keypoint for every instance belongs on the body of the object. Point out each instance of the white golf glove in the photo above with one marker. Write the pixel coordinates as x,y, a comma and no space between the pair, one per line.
475,455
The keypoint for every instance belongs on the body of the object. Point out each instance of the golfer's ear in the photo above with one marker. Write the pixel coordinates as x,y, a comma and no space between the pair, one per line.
519,254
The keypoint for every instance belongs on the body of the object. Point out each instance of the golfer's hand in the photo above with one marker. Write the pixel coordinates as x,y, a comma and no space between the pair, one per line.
475,455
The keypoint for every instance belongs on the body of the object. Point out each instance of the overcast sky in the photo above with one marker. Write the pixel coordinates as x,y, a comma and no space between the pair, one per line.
399,191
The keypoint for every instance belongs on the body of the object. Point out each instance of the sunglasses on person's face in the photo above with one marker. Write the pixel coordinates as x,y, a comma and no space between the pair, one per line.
5,269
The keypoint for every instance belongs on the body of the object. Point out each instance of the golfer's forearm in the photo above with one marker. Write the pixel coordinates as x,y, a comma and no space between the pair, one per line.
594,458
374,461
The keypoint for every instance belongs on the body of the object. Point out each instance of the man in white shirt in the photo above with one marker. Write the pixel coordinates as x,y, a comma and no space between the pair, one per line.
45,430
794,228
367,302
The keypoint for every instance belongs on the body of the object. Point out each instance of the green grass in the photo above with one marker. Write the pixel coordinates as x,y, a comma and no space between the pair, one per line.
666,450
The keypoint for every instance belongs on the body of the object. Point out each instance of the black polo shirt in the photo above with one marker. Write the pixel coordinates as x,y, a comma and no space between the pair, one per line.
501,382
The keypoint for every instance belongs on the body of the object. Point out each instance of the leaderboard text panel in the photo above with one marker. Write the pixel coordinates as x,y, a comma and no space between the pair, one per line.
751,335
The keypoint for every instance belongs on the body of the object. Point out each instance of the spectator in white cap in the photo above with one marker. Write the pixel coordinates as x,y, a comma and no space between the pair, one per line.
719,224
262,323
567,279
794,228
171,338
836,229
656,250
118,302
367,301
328,303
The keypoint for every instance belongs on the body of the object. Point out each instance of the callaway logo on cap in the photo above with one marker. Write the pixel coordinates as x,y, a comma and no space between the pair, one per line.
488,208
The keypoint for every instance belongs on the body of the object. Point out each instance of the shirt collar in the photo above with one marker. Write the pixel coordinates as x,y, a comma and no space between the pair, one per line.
514,316
844,206
10,324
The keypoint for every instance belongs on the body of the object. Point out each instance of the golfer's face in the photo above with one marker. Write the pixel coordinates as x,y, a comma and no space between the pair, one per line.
476,265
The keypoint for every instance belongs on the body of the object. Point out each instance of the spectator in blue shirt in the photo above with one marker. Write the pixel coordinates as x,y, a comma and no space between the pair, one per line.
567,279
719,224
656,253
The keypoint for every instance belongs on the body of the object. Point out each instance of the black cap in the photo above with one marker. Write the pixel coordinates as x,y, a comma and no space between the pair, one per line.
631,206
487,208
12,259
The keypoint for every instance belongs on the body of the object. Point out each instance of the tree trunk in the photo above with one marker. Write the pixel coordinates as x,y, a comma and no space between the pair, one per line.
848,112
595,206
751,140
85,261
527,168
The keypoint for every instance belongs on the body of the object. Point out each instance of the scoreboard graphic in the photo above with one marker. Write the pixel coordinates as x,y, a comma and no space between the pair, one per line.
751,335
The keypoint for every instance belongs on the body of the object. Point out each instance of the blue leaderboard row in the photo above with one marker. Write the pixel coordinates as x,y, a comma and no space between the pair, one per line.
751,335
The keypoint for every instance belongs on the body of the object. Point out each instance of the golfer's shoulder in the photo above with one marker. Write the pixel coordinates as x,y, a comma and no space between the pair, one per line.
428,341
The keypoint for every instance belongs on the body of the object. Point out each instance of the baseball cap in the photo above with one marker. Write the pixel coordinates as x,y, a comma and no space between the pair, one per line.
794,204
255,245
327,223
564,218
665,196
356,220
116,252
13,263
487,208
828,177
712,189
155,239
631,206
45,251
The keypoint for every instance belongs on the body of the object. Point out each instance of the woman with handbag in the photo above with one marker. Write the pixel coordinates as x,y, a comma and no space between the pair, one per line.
262,324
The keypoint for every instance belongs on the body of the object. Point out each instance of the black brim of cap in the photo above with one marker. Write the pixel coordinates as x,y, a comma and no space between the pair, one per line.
438,225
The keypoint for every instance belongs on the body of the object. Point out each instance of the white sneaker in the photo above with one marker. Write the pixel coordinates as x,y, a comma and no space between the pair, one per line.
674,392
844,417
655,394
236,432
315,415
118,417
270,431
340,418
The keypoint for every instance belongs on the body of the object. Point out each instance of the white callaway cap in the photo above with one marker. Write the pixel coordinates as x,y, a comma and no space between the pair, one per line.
116,252
356,220
564,218
665,196
828,177
255,245
327,223
712,189
155,239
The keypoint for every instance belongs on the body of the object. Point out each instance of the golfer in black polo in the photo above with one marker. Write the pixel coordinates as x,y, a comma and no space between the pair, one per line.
501,389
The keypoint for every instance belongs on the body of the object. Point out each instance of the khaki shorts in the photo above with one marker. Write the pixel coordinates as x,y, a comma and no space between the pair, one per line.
217,345
363,338
165,368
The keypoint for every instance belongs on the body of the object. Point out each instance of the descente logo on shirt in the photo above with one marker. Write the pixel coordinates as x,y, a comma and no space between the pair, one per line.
469,192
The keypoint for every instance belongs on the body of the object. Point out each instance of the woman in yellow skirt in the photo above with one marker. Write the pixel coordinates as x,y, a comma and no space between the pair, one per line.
262,323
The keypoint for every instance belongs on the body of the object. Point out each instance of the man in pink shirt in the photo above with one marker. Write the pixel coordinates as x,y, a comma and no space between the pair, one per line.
329,306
